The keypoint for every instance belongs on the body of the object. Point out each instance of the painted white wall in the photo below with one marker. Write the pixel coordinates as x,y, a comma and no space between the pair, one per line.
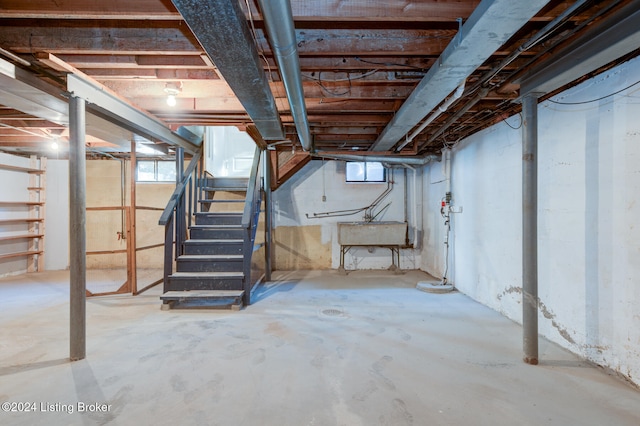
56,242
434,190
589,239
299,202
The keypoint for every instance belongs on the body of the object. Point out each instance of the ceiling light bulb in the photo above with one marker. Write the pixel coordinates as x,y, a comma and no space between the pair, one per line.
172,90
54,146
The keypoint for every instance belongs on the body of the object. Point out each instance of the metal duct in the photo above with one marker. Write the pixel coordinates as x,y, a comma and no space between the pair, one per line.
435,114
612,38
481,84
401,160
490,25
278,20
221,28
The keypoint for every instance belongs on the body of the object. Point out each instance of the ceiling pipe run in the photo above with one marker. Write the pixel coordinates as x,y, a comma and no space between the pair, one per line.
442,108
278,20
482,85
490,25
387,159
614,37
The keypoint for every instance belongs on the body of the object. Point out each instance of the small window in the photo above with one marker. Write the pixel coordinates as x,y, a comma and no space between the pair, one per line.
156,171
366,172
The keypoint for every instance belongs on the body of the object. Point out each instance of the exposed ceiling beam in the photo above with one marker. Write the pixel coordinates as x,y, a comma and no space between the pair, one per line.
22,91
492,23
139,74
615,37
83,9
222,30
302,10
165,37
115,110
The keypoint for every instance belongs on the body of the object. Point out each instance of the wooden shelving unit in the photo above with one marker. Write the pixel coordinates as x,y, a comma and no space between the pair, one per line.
35,212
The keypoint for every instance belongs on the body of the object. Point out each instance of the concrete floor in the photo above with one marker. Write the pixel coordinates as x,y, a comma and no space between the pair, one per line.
317,348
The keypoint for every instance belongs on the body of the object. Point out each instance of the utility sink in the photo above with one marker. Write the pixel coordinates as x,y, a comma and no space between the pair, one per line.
387,233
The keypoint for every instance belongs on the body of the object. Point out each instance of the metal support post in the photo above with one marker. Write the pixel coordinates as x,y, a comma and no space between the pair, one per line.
180,206
77,228
267,215
530,228
133,257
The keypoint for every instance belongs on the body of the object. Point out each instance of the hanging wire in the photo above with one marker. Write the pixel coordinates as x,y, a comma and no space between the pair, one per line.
597,99
255,40
320,81
323,87
349,77
514,128
391,64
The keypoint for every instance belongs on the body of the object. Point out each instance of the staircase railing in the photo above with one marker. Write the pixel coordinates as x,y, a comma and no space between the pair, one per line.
174,217
250,219
184,201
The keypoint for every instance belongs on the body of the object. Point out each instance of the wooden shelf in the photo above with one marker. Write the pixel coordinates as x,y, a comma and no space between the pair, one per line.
20,254
21,237
21,220
21,203
32,226
21,169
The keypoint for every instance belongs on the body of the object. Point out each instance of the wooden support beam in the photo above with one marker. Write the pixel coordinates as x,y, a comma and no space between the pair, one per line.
82,9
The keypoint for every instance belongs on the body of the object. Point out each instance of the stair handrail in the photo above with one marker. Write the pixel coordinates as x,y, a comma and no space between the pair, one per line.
174,230
253,191
250,216
180,189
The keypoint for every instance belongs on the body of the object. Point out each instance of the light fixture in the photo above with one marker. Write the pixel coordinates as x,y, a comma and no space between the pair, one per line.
172,90
54,145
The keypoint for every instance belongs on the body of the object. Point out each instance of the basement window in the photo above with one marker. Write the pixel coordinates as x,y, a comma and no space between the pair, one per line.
366,172
156,171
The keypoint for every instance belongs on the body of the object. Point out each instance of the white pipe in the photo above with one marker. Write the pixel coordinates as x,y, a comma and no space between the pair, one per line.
435,114
394,160
446,164
417,208
417,221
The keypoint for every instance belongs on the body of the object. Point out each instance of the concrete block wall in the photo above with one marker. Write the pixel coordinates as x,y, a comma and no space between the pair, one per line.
589,203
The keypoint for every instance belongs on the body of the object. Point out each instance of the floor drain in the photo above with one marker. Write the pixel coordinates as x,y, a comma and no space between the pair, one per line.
332,312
